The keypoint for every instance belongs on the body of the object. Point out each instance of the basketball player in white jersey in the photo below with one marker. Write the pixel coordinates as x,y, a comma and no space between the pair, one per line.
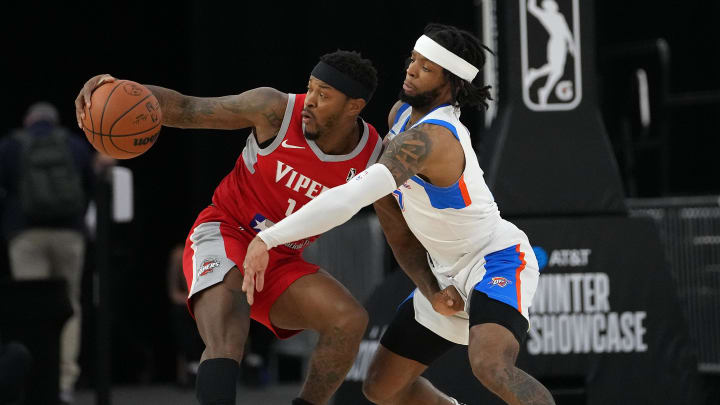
475,272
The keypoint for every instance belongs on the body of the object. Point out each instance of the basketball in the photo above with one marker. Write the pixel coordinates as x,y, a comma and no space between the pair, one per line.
124,119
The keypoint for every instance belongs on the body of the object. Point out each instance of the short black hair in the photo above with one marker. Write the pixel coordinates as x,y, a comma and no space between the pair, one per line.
467,46
354,66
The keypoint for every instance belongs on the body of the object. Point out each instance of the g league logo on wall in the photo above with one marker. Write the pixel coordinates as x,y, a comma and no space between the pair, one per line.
550,51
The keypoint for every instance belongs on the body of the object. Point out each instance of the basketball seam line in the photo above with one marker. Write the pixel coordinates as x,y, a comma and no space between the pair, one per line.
125,113
125,135
102,116
127,151
118,119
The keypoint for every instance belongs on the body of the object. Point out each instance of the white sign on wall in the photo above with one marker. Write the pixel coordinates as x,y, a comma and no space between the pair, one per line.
551,63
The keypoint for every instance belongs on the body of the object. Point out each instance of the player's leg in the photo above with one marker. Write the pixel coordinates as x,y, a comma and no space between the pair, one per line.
222,315
495,332
319,302
498,325
405,352
217,302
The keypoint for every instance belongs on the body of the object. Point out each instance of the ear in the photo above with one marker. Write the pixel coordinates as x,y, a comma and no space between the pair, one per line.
354,106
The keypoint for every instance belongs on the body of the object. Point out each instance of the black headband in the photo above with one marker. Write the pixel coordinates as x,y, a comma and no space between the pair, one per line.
340,81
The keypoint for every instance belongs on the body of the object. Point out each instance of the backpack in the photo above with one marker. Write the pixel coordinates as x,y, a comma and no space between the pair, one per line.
50,186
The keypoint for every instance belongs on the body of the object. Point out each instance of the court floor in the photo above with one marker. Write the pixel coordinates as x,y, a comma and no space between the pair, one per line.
274,394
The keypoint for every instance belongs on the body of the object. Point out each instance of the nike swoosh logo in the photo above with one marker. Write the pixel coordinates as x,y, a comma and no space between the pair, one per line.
287,145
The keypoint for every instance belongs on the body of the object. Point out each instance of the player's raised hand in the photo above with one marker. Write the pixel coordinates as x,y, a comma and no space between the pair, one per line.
447,301
83,98
254,265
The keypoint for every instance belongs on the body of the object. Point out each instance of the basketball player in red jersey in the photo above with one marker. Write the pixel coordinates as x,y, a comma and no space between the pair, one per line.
300,145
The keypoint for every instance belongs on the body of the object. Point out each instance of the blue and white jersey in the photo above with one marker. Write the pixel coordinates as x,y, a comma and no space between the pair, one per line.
460,226
451,222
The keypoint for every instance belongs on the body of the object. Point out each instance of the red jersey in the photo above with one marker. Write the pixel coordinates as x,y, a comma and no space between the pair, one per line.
270,183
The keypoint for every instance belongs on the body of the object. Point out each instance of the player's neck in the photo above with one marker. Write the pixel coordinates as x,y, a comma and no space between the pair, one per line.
418,113
342,140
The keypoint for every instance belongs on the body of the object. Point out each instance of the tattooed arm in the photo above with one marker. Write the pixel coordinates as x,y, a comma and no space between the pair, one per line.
261,108
406,154
412,258
408,251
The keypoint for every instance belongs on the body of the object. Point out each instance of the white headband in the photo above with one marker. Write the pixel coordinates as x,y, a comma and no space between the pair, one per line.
440,55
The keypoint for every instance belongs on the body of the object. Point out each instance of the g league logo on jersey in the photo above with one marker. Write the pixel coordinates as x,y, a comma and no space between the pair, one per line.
550,42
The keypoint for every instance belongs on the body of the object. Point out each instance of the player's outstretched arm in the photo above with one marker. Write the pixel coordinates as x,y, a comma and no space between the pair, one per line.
261,108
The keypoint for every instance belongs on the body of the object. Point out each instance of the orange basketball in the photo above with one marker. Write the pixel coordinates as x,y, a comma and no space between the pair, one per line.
124,119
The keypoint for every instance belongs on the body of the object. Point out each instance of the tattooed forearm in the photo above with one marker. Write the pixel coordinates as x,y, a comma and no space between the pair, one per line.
406,154
194,110
407,249
183,111
412,258
258,107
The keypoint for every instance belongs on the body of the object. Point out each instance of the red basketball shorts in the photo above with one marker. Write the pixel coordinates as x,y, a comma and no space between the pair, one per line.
217,244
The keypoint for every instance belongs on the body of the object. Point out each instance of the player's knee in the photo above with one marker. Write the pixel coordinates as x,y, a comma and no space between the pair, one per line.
375,390
373,393
350,317
223,350
223,341
361,319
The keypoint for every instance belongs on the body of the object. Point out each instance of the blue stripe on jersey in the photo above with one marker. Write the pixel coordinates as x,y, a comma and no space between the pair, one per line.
399,197
437,108
442,197
442,123
400,111
402,128
408,297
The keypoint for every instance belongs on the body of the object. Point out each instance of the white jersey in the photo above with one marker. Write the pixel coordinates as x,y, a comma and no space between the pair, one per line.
458,225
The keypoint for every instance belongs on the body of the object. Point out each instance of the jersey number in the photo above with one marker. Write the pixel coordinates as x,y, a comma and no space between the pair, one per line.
291,207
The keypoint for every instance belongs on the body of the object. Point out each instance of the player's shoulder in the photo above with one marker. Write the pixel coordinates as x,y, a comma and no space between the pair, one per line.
269,95
441,120
397,109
